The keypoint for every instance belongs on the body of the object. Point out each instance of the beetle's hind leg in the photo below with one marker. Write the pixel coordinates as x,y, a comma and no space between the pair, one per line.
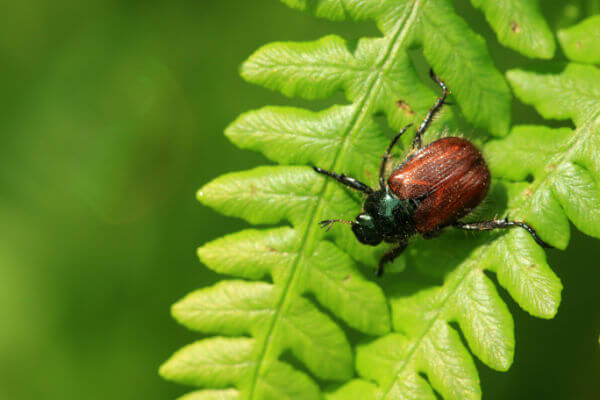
390,256
346,180
417,142
501,224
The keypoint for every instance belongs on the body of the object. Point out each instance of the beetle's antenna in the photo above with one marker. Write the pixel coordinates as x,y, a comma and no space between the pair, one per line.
328,223
386,157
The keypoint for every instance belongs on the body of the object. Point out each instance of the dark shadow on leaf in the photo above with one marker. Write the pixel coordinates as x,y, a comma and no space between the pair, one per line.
354,336
352,45
437,395
407,283
289,358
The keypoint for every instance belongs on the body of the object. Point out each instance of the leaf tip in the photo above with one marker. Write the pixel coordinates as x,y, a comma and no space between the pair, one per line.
547,53
165,370
200,195
202,254
176,312
548,307
504,361
205,194
552,306
545,48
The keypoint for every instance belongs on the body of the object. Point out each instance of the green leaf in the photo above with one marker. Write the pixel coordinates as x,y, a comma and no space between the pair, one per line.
288,330
314,136
519,25
581,43
572,94
264,194
218,362
311,70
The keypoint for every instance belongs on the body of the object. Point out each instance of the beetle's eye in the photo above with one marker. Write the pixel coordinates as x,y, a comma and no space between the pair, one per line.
365,231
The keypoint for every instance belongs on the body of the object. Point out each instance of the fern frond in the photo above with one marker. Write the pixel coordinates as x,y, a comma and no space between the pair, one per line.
259,326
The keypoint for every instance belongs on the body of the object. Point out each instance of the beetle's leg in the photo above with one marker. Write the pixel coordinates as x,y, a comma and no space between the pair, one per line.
417,143
501,224
386,156
390,256
346,180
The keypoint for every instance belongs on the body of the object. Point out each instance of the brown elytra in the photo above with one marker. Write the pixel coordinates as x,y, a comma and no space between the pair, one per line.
449,177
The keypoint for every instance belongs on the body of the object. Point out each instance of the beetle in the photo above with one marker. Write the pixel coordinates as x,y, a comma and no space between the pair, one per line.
434,188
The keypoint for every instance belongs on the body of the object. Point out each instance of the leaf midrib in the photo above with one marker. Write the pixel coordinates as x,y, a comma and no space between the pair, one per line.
361,109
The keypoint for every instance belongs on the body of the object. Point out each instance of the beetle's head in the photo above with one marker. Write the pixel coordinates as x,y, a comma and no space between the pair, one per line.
384,216
365,230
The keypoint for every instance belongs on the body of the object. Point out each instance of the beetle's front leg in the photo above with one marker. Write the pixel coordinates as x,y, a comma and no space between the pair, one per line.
345,180
417,143
386,156
390,256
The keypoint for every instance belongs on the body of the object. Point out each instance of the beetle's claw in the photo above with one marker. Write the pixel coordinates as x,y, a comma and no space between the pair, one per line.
326,224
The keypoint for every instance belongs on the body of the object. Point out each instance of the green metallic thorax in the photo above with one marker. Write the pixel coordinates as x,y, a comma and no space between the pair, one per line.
391,216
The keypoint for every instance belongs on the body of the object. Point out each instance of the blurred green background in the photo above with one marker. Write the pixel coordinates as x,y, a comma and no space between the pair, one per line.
112,117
